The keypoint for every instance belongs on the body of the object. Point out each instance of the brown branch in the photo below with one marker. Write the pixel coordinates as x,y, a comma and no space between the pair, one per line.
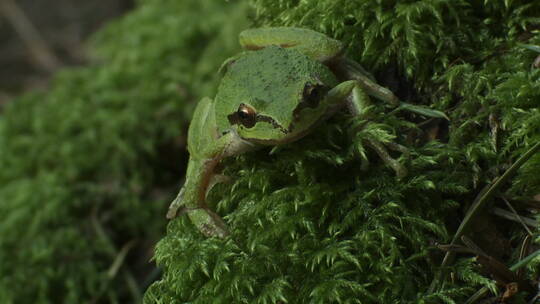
42,54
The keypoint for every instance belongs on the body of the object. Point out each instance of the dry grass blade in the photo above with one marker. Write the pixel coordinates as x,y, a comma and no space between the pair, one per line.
517,216
512,217
525,245
482,291
118,261
477,206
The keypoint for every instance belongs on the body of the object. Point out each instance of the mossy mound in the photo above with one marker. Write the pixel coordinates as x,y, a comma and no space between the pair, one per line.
88,167
310,226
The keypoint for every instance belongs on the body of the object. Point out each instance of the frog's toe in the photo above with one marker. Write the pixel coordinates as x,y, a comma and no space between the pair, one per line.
400,170
174,207
172,212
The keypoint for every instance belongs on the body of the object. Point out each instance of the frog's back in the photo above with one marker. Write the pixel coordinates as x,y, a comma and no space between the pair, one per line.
271,80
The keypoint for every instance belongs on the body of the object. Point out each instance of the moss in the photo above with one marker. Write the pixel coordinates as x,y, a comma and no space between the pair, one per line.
310,226
89,167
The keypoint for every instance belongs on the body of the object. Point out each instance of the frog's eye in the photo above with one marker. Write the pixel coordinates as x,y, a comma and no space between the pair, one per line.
245,115
313,94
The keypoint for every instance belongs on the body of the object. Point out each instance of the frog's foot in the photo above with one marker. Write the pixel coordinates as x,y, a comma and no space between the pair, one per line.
359,104
380,149
207,222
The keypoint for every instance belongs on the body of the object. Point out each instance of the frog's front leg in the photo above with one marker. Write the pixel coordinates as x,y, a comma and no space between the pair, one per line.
206,148
191,198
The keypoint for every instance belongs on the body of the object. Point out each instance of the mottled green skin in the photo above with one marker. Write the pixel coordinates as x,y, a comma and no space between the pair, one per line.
272,81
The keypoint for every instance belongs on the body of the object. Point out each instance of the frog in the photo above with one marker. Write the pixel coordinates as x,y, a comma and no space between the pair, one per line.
285,82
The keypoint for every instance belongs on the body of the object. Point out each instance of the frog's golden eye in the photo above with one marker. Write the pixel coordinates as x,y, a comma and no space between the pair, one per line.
313,94
245,115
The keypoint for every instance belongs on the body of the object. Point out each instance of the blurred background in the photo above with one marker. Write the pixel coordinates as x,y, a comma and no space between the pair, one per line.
95,100
38,37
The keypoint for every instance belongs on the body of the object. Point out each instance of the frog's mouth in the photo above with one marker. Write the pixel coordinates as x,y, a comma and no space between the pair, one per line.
290,137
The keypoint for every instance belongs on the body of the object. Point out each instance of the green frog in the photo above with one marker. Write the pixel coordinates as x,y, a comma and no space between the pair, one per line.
275,92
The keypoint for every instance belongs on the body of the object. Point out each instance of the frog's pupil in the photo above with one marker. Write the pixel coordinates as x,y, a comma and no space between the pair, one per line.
247,116
243,113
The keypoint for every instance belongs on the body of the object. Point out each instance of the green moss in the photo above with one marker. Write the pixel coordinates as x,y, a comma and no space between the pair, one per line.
89,167
309,226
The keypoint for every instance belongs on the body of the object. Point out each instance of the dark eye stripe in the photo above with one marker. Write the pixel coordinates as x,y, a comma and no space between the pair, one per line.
234,119
271,121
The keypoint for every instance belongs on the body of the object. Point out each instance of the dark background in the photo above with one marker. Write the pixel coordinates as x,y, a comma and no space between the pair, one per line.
37,37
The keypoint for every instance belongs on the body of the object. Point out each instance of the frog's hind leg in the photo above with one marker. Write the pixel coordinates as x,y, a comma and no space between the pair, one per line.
349,69
311,43
206,221
358,102
206,148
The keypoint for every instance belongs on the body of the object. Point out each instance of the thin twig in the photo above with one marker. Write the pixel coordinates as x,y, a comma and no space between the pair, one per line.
513,217
41,52
134,289
518,217
491,191
119,260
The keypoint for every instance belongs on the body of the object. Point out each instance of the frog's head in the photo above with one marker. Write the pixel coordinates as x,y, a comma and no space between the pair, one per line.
273,95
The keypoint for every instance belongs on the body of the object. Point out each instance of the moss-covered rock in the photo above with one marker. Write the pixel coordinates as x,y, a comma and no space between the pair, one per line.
310,226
